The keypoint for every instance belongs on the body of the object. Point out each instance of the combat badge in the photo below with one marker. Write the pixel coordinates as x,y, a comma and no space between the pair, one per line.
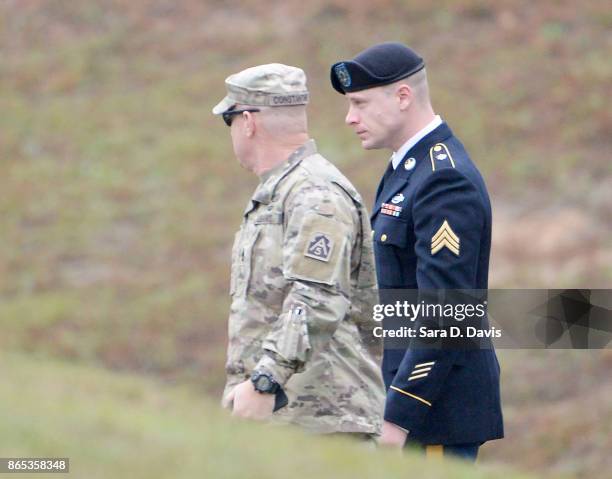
397,198
343,75
319,247
445,237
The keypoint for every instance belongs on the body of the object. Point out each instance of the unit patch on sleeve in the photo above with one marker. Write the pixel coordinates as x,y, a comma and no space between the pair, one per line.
319,247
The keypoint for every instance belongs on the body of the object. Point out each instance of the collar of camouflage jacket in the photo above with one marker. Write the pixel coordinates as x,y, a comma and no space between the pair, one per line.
270,179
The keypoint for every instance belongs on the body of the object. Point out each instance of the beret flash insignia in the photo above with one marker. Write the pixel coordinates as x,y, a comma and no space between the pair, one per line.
343,75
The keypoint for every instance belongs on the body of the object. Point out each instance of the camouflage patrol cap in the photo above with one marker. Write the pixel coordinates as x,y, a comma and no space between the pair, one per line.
273,84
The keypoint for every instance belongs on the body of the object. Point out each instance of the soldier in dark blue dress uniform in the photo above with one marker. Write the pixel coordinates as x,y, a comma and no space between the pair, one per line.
432,230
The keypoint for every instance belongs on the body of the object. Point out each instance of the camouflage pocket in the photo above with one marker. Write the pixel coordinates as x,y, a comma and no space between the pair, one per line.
234,268
294,345
242,260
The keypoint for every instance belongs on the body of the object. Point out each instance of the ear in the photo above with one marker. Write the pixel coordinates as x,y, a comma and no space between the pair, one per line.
249,124
404,95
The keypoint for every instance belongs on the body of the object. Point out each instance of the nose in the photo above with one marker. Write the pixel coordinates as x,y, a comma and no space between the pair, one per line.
351,117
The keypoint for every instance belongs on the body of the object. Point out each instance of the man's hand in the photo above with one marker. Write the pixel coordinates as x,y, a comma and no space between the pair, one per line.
392,436
248,403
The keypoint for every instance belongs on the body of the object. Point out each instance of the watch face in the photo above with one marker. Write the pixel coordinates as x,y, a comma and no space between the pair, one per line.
263,383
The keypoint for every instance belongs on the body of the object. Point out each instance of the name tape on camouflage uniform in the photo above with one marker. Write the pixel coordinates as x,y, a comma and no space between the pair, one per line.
296,99
258,98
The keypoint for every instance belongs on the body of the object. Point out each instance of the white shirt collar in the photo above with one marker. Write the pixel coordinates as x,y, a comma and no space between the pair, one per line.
398,155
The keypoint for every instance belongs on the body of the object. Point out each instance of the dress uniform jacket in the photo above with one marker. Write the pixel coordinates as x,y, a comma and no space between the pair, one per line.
432,230
301,264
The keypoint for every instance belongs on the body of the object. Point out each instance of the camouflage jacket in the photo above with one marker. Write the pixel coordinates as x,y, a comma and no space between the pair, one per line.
302,273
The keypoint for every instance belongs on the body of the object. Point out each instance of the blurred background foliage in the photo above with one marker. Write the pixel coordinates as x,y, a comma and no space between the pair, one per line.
119,193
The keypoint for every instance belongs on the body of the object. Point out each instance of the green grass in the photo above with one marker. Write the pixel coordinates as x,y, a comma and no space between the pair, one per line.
113,425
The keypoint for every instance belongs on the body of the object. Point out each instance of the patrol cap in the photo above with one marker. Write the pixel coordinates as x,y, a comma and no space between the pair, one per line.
273,84
375,66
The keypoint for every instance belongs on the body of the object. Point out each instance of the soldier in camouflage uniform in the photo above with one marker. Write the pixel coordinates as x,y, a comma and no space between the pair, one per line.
300,324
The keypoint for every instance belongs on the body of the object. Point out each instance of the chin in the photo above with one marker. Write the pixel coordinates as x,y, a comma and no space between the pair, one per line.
368,144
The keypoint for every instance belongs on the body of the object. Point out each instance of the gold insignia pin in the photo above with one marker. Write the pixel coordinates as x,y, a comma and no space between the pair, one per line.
445,237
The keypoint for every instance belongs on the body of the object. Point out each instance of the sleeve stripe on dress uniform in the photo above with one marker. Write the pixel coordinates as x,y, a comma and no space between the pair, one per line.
413,396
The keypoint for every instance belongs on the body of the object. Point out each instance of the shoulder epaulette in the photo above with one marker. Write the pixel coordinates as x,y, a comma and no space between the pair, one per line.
440,157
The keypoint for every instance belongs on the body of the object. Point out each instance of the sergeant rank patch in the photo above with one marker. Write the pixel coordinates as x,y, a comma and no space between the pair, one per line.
445,237
319,247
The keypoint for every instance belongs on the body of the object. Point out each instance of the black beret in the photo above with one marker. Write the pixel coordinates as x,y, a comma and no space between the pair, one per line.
378,65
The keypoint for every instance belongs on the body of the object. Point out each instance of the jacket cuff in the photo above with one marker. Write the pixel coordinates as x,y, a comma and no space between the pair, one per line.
405,409
280,372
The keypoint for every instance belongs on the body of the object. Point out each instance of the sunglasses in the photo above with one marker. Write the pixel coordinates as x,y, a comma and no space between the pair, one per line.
228,116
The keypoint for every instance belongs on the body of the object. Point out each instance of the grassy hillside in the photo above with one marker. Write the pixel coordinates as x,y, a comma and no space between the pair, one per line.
121,426
119,194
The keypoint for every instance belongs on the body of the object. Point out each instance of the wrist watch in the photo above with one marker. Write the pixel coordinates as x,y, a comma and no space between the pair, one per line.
264,383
